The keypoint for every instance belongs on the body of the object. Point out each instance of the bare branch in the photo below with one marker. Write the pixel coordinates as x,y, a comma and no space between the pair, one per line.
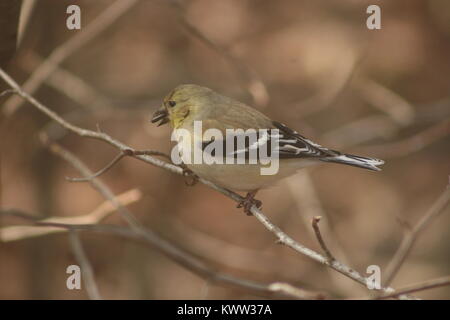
410,238
386,100
178,255
119,157
429,284
24,20
85,266
61,53
291,290
96,184
101,171
8,91
69,84
148,153
15,233
84,132
315,225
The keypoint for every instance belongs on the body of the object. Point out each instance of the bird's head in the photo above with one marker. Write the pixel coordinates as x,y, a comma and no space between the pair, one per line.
180,102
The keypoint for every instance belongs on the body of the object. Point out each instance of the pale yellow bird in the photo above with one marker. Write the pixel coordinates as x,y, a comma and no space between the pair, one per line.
188,104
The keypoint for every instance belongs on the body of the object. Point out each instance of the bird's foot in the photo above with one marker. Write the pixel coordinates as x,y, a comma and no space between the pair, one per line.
191,178
248,202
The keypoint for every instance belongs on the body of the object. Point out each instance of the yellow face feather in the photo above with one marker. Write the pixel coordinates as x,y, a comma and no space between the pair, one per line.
182,102
190,102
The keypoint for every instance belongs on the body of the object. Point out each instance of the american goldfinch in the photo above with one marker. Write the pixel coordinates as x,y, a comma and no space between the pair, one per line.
189,104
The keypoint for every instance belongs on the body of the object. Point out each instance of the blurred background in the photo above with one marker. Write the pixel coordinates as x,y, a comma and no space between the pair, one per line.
313,65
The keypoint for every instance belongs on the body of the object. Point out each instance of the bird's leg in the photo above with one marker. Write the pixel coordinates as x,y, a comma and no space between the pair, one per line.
249,201
192,178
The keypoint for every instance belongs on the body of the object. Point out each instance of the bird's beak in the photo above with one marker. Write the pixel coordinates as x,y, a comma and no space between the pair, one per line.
161,115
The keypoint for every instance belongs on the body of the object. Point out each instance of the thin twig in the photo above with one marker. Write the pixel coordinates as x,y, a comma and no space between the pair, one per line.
101,171
315,225
85,266
119,157
96,184
283,237
61,53
429,284
8,91
308,205
15,233
148,153
410,238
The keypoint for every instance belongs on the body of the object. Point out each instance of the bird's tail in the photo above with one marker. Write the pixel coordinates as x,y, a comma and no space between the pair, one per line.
356,161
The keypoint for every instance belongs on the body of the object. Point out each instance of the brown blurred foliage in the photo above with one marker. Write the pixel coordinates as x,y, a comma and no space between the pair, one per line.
326,75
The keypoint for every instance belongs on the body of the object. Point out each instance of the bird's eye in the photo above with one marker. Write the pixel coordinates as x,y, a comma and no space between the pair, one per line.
172,103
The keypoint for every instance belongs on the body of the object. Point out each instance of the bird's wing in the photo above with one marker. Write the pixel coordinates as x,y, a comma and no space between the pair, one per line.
294,145
231,114
268,137
243,141
272,137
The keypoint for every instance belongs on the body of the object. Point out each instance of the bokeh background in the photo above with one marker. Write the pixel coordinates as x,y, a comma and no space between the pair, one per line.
311,64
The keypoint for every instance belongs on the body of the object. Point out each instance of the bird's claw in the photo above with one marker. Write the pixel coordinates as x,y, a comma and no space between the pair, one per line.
191,177
248,202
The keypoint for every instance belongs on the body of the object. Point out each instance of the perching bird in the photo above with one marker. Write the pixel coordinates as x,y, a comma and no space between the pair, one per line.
189,103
